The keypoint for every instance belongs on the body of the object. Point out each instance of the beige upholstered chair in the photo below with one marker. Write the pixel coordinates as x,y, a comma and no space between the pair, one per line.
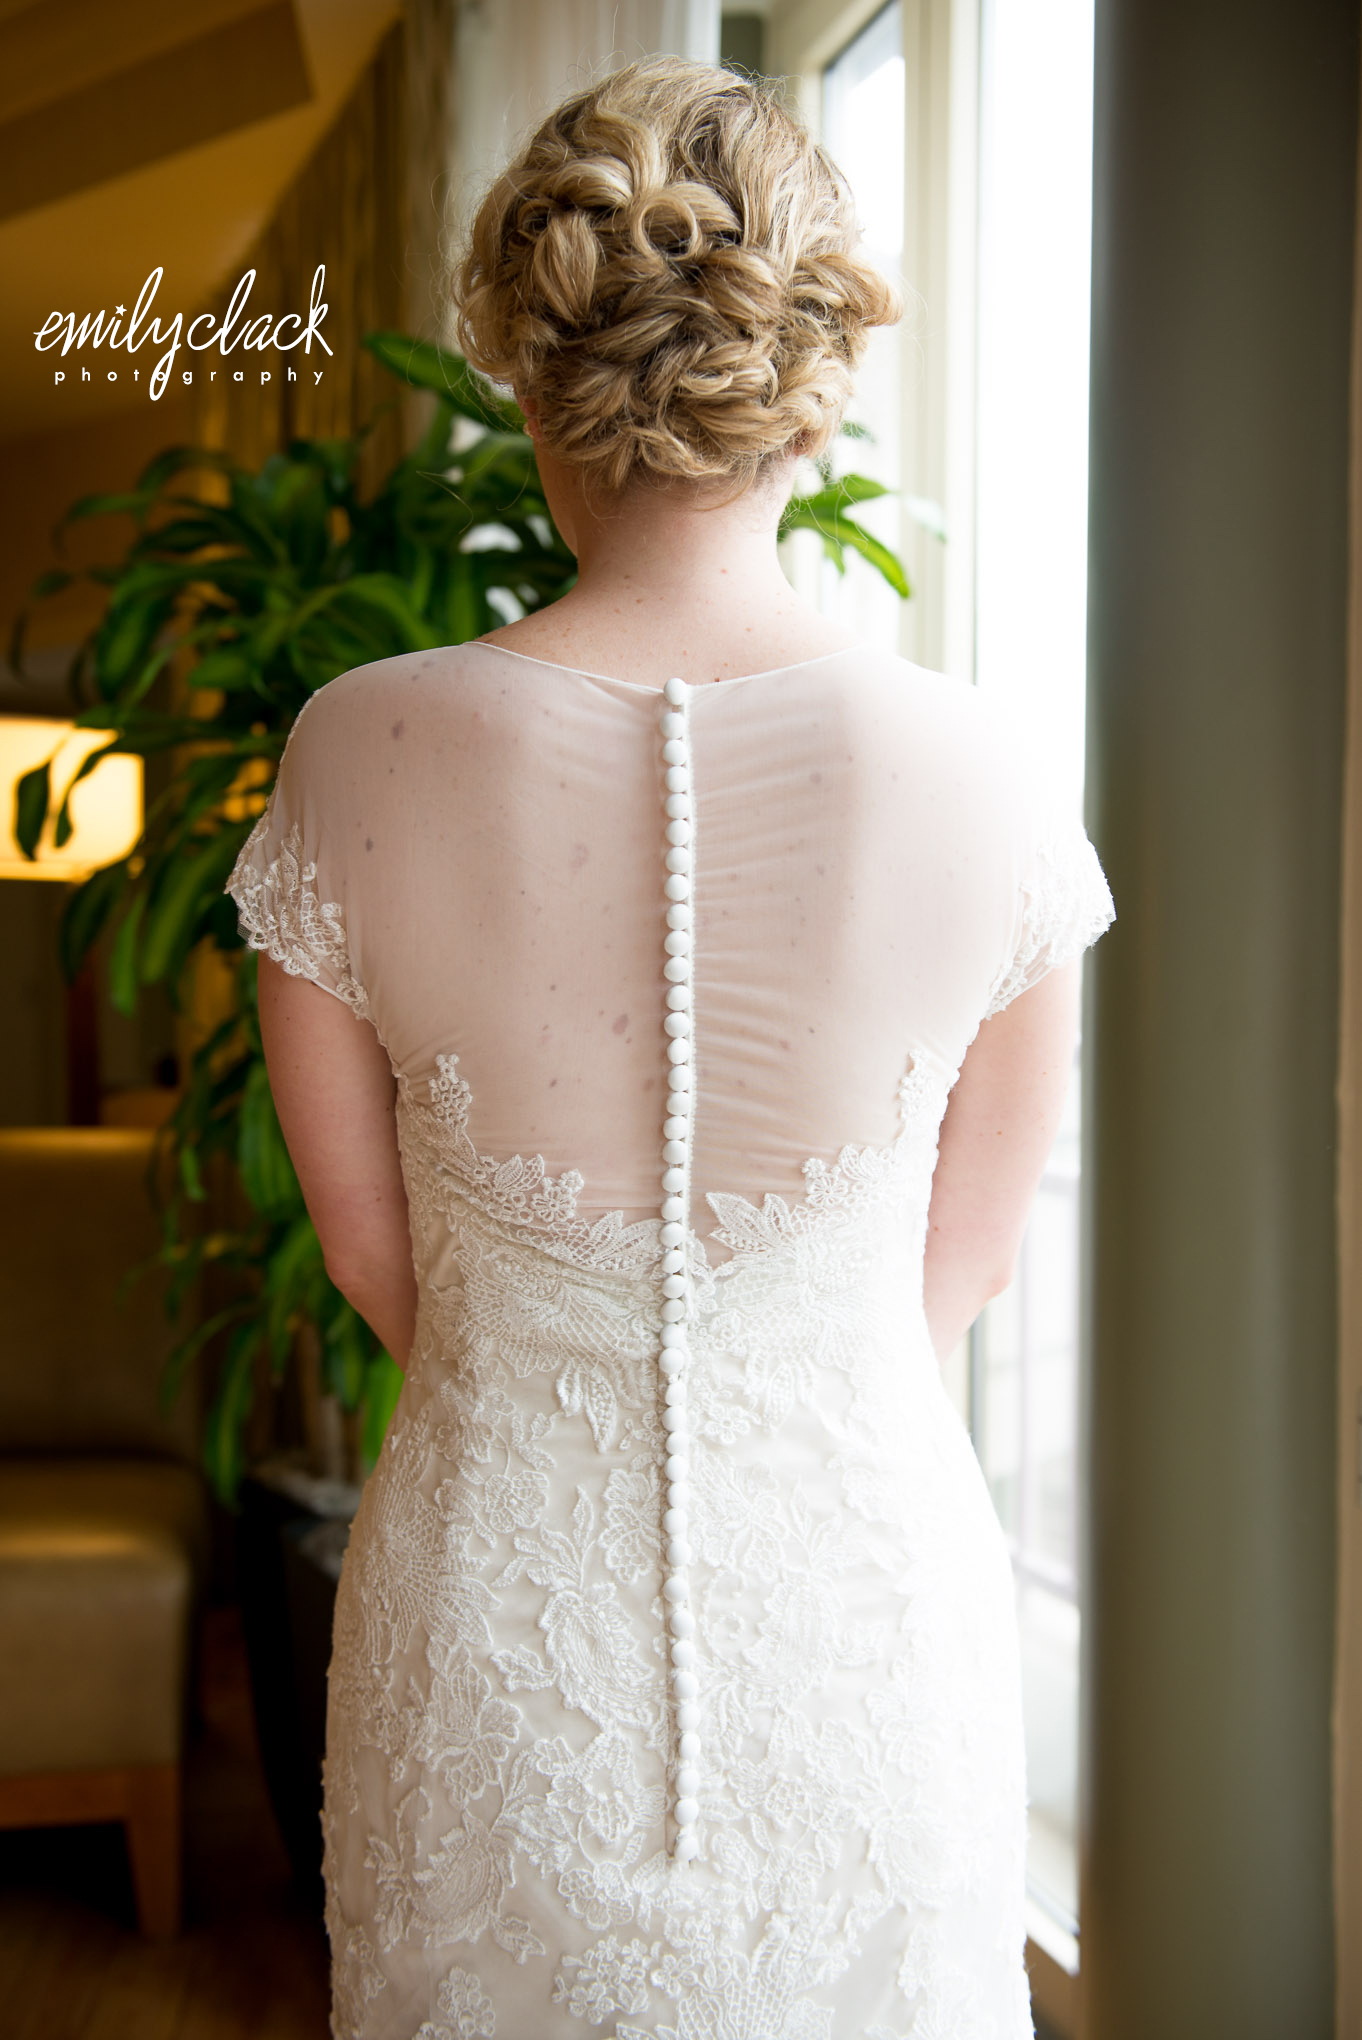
102,1511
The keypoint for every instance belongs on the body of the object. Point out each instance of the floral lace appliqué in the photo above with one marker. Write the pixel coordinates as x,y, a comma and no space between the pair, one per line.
1066,905
283,915
499,1759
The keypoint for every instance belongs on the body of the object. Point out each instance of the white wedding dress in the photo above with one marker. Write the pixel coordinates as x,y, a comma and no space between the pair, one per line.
675,1688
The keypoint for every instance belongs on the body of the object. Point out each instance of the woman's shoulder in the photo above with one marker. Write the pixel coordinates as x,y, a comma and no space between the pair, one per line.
922,705
407,683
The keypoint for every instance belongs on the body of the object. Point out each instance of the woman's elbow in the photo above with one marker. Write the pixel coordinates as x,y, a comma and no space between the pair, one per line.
1000,1278
351,1271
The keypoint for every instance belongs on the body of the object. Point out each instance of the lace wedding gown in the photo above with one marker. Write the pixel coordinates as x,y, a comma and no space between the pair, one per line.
675,1687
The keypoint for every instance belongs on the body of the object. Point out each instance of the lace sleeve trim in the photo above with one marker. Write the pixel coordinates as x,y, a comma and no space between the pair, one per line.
1066,906
283,915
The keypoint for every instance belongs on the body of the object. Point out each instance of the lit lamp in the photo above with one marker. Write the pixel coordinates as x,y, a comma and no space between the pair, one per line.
106,808
106,820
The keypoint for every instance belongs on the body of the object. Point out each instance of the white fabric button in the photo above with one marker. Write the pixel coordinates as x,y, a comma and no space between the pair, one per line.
689,1746
685,1813
687,1846
674,1355
688,1781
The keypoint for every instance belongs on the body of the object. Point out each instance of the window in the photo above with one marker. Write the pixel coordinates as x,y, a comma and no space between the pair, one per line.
863,127
969,148
1034,224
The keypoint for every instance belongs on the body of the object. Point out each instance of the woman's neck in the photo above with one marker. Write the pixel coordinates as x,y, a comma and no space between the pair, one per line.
669,585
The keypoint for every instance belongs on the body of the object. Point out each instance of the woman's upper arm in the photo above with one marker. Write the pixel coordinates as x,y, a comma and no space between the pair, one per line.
999,1127
336,1097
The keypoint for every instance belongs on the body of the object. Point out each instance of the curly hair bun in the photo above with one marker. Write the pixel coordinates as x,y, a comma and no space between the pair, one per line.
669,269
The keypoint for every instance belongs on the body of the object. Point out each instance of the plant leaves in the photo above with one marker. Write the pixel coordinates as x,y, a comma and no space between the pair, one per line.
266,1171
63,830
187,1349
289,1273
818,513
190,886
225,1425
32,799
425,366
383,1380
86,914
123,972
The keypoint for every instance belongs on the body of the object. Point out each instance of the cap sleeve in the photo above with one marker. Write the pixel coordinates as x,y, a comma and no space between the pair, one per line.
1063,905
289,899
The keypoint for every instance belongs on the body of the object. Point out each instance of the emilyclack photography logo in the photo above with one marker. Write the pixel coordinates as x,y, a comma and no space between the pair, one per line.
283,332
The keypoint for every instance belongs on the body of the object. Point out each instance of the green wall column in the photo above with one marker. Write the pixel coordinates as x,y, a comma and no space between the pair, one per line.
1223,251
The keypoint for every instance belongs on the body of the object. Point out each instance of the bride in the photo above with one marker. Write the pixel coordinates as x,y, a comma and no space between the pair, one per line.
668,1005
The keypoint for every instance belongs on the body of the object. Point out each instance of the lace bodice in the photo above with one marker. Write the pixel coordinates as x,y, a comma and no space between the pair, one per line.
464,846
675,1687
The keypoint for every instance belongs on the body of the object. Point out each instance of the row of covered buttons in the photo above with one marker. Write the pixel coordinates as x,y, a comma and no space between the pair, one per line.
674,1356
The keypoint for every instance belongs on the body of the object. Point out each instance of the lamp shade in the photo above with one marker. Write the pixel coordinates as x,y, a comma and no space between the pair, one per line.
106,808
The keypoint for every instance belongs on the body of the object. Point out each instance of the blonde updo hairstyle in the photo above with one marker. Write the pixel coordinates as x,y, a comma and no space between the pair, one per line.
669,270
